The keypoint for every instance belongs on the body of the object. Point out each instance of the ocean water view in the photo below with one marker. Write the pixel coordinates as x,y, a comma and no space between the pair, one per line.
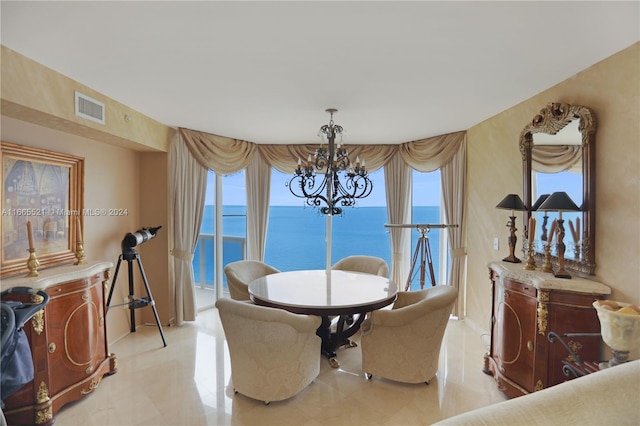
296,238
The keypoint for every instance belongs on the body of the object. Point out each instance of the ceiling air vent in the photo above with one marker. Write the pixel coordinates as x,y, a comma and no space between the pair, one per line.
89,108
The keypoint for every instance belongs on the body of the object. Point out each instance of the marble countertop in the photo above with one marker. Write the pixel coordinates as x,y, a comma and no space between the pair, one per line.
546,281
55,275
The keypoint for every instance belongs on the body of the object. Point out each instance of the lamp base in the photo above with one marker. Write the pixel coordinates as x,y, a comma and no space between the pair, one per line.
512,259
562,274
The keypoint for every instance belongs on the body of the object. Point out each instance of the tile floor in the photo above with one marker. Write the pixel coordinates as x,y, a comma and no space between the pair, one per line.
188,383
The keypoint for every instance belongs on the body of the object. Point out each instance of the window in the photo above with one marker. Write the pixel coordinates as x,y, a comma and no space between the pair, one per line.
426,209
296,234
296,237
233,220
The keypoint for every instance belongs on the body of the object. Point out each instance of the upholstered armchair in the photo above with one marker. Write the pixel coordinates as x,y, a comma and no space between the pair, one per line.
239,274
274,354
403,343
367,264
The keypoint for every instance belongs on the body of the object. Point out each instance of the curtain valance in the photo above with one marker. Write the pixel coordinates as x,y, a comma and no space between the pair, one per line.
225,155
218,153
556,158
428,155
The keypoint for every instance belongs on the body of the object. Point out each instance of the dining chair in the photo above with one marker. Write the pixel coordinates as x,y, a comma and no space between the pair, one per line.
240,273
403,343
361,263
274,353
365,264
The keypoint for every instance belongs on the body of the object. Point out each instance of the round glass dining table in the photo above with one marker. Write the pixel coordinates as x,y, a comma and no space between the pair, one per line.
328,294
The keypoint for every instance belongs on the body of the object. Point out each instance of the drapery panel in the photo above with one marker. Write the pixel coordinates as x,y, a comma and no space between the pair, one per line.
188,187
397,175
453,179
258,183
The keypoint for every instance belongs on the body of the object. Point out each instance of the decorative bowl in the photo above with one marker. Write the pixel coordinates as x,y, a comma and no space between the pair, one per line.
621,331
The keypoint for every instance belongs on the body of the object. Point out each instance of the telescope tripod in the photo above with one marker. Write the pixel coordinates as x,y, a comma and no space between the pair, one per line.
129,255
424,251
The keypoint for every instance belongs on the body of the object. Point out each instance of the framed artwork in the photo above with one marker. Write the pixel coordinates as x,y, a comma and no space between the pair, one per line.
46,189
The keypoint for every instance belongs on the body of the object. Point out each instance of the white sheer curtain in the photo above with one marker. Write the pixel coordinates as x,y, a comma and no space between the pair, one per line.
188,187
397,179
258,181
453,179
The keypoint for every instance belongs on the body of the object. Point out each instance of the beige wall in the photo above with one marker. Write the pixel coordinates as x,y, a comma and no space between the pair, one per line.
126,166
611,89
112,177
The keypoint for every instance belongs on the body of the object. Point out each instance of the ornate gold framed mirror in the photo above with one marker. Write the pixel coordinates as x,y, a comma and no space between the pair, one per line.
557,149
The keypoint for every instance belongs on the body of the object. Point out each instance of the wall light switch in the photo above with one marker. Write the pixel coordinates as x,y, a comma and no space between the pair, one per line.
496,243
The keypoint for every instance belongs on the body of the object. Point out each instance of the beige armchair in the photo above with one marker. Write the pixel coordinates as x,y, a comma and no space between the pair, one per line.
367,264
239,274
403,343
274,354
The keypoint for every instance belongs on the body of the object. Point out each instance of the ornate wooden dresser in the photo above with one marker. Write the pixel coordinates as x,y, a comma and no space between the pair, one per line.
68,341
526,306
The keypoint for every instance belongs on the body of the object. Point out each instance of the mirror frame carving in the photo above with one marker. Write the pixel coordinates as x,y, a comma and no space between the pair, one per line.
551,119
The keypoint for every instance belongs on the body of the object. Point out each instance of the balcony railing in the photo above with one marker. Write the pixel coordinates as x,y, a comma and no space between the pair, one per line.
234,248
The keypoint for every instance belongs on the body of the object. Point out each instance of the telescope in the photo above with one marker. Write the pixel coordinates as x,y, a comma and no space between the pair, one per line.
140,236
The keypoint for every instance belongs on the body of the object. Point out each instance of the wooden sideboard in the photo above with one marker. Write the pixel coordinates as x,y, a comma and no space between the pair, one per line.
68,341
526,306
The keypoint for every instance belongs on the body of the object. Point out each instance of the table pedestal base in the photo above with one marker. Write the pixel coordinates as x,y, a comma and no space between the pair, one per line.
333,340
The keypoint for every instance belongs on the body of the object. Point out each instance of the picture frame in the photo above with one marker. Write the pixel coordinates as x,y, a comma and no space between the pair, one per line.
45,188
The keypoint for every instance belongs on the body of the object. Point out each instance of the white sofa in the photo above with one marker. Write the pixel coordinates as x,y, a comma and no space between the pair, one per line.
607,397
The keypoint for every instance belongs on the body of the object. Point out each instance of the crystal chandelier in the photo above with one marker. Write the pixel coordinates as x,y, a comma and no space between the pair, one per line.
343,182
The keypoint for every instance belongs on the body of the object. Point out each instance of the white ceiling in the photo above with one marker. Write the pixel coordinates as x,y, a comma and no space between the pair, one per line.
266,71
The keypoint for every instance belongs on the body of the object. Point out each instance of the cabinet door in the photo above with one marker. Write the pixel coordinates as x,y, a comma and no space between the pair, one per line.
572,313
76,336
515,333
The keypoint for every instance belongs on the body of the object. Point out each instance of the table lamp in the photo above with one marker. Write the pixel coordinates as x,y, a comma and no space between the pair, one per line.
541,199
512,202
559,201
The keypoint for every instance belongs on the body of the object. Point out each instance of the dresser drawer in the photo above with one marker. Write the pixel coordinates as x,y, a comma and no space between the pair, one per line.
526,289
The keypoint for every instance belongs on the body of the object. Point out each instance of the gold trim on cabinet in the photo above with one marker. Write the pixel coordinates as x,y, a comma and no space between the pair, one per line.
543,314
42,395
65,335
539,386
543,311
44,415
575,347
37,322
543,296
92,386
52,347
